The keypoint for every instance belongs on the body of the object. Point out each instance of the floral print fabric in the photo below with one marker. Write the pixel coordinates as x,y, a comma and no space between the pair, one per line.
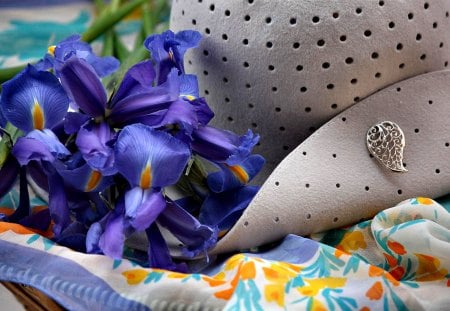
397,261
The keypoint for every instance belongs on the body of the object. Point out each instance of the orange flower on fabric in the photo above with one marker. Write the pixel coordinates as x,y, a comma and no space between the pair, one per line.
136,276
392,261
425,201
274,293
317,305
429,269
375,271
398,272
396,247
245,269
375,292
317,285
278,274
351,242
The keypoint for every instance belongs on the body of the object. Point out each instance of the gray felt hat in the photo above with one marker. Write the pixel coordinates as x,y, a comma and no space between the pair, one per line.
312,77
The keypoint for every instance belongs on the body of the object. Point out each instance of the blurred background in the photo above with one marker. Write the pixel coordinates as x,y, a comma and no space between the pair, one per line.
28,27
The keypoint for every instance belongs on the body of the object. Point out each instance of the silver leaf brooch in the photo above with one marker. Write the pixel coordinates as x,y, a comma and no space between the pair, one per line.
386,143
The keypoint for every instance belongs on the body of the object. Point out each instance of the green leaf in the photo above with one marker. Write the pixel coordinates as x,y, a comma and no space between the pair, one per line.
7,73
10,136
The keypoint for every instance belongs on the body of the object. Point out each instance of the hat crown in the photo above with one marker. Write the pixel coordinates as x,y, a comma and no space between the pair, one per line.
284,68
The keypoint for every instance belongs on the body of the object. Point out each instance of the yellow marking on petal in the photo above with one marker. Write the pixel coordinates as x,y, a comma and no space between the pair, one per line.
146,178
222,233
189,97
93,181
240,173
38,116
171,57
51,50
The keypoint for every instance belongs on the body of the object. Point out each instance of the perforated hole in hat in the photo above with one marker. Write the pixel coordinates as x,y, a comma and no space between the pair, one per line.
283,68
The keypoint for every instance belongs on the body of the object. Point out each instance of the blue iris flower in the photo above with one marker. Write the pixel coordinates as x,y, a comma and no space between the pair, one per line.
224,209
136,101
223,146
139,140
95,124
35,102
148,167
168,49
72,46
233,176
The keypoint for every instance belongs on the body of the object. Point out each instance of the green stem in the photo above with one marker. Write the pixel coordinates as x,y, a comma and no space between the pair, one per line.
115,4
99,5
120,50
148,21
107,19
108,43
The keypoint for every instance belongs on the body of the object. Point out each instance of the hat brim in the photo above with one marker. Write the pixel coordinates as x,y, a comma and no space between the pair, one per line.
330,180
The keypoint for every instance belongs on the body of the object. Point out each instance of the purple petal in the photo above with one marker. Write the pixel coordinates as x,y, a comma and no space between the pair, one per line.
93,237
39,221
187,115
183,114
170,47
3,120
223,146
34,100
8,172
143,207
140,104
84,87
149,101
230,177
189,87
92,141
74,237
23,210
187,39
158,252
103,66
37,174
112,240
57,204
224,209
39,146
144,155
153,120
203,111
108,235
46,63
156,45
138,79
49,139
87,207
73,47
196,237
73,122
85,179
